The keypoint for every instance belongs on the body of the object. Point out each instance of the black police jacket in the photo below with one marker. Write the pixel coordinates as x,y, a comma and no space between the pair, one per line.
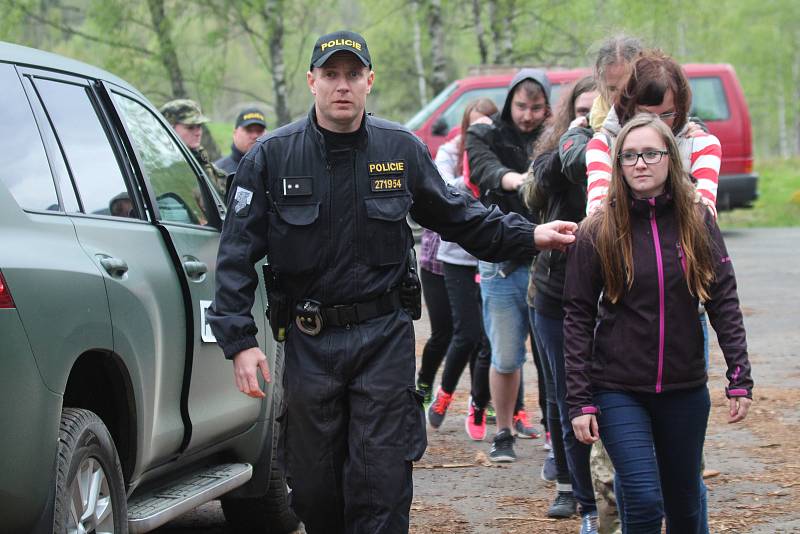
337,240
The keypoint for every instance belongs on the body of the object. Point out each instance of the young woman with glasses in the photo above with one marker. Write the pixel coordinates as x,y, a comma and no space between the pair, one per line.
635,363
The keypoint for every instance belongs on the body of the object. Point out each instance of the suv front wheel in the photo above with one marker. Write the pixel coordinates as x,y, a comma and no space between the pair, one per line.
90,490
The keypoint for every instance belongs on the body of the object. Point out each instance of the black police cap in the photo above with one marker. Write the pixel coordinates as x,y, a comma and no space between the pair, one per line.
251,116
341,41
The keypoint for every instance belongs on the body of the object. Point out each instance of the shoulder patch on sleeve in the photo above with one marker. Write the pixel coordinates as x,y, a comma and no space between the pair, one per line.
241,201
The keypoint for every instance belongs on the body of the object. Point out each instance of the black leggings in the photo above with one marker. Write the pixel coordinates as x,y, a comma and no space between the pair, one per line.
438,306
469,343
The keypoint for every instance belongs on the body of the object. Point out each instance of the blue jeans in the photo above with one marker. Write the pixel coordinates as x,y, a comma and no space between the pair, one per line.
505,314
551,336
656,466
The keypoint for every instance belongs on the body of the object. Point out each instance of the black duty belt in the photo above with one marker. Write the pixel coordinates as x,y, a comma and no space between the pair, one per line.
311,316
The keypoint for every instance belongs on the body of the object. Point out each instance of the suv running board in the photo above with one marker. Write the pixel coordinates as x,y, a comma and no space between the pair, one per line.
156,507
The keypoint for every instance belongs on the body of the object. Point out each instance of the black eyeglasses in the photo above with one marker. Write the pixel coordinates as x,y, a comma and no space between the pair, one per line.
650,157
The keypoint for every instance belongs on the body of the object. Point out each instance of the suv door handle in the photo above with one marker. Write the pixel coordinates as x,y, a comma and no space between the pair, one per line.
116,267
195,270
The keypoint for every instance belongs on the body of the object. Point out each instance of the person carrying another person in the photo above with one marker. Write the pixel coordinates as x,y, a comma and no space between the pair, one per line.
499,156
250,125
658,85
558,191
633,345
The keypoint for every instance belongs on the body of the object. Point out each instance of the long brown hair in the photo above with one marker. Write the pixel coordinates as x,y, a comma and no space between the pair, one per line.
487,107
611,226
652,75
564,115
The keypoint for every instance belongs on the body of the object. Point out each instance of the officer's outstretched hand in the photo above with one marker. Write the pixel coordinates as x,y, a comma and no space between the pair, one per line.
245,365
554,235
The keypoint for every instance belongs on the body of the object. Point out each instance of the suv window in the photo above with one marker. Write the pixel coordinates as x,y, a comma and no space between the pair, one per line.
180,194
23,162
708,99
89,155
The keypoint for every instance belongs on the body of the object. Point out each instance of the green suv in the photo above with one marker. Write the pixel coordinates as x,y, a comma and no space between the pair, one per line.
118,410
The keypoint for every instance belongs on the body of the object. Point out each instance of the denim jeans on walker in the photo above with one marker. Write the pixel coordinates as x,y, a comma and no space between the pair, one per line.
656,467
505,313
550,332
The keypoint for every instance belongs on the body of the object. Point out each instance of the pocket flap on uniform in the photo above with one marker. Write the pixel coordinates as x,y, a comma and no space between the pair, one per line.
388,208
299,214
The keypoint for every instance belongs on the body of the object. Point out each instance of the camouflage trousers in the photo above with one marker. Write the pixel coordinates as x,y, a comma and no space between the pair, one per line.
603,483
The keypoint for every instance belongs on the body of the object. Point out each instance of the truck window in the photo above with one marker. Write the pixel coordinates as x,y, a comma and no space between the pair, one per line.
23,162
708,99
455,112
180,193
91,160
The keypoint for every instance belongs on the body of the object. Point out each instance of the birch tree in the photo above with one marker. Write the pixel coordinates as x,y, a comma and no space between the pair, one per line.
438,62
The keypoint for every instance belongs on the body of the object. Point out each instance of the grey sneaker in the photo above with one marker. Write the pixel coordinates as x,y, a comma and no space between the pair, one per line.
549,471
563,506
503,447
589,523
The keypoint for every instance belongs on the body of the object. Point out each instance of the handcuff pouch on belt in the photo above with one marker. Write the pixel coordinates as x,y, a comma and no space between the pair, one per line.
308,317
278,311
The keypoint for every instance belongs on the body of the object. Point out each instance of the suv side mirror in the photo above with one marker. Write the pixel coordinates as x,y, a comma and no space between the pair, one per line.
439,127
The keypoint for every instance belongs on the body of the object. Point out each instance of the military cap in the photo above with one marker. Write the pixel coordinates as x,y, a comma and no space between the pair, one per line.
183,111
341,41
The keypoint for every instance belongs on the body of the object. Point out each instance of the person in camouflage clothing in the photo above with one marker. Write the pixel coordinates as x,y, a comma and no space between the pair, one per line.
187,119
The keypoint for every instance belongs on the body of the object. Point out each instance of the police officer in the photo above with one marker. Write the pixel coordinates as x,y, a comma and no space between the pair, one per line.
187,120
250,125
326,199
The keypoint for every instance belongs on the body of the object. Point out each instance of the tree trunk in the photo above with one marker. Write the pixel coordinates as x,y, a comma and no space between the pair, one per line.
508,32
476,13
796,93
273,16
495,30
166,48
168,57
421,84
438,63
783,134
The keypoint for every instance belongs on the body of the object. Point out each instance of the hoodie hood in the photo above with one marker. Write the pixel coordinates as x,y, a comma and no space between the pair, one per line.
538,76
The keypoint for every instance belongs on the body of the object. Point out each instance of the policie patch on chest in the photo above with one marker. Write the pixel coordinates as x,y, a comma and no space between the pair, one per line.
387,175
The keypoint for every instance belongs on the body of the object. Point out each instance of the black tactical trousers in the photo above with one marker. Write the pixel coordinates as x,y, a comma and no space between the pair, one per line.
354,423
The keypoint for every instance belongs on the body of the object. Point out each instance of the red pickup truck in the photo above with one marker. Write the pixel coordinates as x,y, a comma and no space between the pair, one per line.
717,98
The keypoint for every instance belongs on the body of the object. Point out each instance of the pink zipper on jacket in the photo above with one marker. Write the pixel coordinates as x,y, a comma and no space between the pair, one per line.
661,311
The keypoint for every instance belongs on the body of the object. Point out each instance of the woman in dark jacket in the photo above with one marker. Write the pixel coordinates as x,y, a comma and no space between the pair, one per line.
635,364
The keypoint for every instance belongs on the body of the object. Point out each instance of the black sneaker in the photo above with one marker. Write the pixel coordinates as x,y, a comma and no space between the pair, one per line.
503,447
563,506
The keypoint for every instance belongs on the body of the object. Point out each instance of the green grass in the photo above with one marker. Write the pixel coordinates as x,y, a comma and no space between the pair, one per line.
778,201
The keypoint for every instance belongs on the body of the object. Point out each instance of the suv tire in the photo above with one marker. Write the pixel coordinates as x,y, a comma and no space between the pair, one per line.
88,474
269,514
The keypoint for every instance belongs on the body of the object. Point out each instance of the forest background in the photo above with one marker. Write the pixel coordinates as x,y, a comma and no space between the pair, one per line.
228,54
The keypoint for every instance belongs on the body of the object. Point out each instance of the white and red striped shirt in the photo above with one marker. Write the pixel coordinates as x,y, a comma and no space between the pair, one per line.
701,156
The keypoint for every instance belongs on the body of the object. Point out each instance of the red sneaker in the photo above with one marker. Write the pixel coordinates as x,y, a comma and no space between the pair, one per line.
438,409
475,423
523,429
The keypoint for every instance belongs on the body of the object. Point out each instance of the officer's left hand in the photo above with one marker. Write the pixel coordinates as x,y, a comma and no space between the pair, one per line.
554,235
